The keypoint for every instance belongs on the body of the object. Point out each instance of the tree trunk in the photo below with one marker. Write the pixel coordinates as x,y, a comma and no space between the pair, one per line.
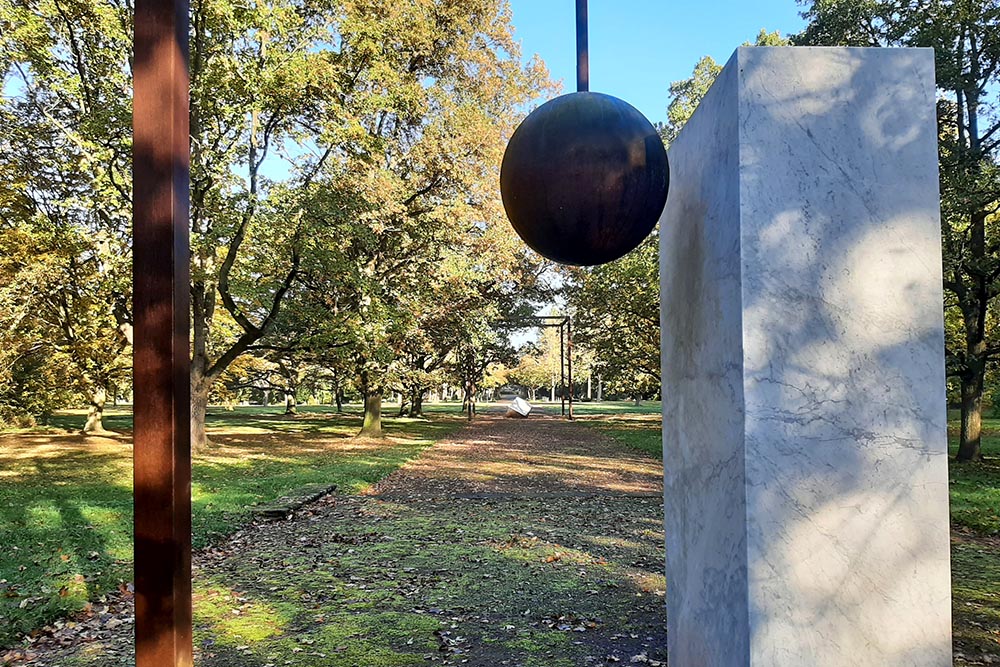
202,310
470,392
417,404
590,387
95,414
552,392
338,396
970,438
372,425
600,389
290,403
199,407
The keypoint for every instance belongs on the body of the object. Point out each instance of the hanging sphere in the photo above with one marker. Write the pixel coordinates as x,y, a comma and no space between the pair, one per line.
584,178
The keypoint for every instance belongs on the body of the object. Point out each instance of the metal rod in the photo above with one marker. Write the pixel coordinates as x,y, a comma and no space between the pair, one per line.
569,356
582,53
562,369
161,365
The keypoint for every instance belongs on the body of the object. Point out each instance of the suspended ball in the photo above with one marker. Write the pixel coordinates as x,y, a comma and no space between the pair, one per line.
584,179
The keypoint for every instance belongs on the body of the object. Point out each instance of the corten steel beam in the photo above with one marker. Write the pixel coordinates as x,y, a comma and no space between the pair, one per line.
161,366
582,48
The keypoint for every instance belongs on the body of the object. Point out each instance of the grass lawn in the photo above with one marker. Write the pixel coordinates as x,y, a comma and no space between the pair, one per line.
637,426
66,499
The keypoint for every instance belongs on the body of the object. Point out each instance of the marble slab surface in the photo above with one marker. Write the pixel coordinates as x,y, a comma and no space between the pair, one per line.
804,397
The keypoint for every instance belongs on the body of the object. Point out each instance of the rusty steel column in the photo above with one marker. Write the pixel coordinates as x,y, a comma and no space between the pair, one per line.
161,362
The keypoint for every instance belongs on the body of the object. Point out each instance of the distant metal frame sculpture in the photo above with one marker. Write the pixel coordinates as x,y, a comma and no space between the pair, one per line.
565,325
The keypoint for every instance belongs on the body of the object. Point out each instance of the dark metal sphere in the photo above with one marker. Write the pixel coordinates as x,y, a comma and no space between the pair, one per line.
584,178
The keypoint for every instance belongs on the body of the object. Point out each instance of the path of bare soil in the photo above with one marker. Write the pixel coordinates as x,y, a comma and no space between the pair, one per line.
529,543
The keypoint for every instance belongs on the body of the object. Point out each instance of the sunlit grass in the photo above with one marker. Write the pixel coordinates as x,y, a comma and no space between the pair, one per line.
66,499
71,497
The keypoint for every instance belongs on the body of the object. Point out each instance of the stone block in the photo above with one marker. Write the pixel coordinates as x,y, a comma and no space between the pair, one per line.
805,449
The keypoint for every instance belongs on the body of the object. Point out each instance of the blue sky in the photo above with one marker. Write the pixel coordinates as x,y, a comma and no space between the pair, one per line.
638,47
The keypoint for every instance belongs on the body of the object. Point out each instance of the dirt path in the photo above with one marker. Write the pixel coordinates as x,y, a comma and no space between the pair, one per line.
518,542
525,458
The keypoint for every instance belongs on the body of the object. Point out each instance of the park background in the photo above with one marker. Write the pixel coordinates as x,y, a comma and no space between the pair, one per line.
353,275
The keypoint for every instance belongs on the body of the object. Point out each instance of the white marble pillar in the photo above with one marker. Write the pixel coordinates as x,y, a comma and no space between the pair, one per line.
803,367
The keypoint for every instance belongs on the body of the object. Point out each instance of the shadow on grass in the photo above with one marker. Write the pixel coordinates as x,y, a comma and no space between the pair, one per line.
65,537
66,499
366,581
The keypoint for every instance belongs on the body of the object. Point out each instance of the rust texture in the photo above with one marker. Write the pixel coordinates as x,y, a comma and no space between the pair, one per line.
161,366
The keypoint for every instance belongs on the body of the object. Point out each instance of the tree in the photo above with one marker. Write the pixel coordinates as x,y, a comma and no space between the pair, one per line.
966,41
541,364
65,191
530,372
616,310
468,366
435,88
34,376
390,119
56,322
686,94
260,75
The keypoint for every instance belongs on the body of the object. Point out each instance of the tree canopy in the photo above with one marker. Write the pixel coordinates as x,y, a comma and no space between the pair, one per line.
344,214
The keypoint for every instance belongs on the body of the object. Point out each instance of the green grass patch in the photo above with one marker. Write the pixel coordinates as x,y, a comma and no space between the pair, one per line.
642,435
975,580
975,486
585,408
637,426
66,500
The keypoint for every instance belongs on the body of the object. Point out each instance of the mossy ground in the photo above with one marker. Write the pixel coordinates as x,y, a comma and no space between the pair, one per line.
364,581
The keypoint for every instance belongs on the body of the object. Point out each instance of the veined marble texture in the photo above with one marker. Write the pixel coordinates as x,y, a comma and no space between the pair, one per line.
804,435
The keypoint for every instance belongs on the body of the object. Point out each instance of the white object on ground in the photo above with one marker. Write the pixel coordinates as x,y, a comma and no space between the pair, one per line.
520,406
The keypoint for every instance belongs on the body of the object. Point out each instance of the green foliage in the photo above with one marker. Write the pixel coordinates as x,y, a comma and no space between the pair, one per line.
64,199
413,246
617,316
685,96
343,208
